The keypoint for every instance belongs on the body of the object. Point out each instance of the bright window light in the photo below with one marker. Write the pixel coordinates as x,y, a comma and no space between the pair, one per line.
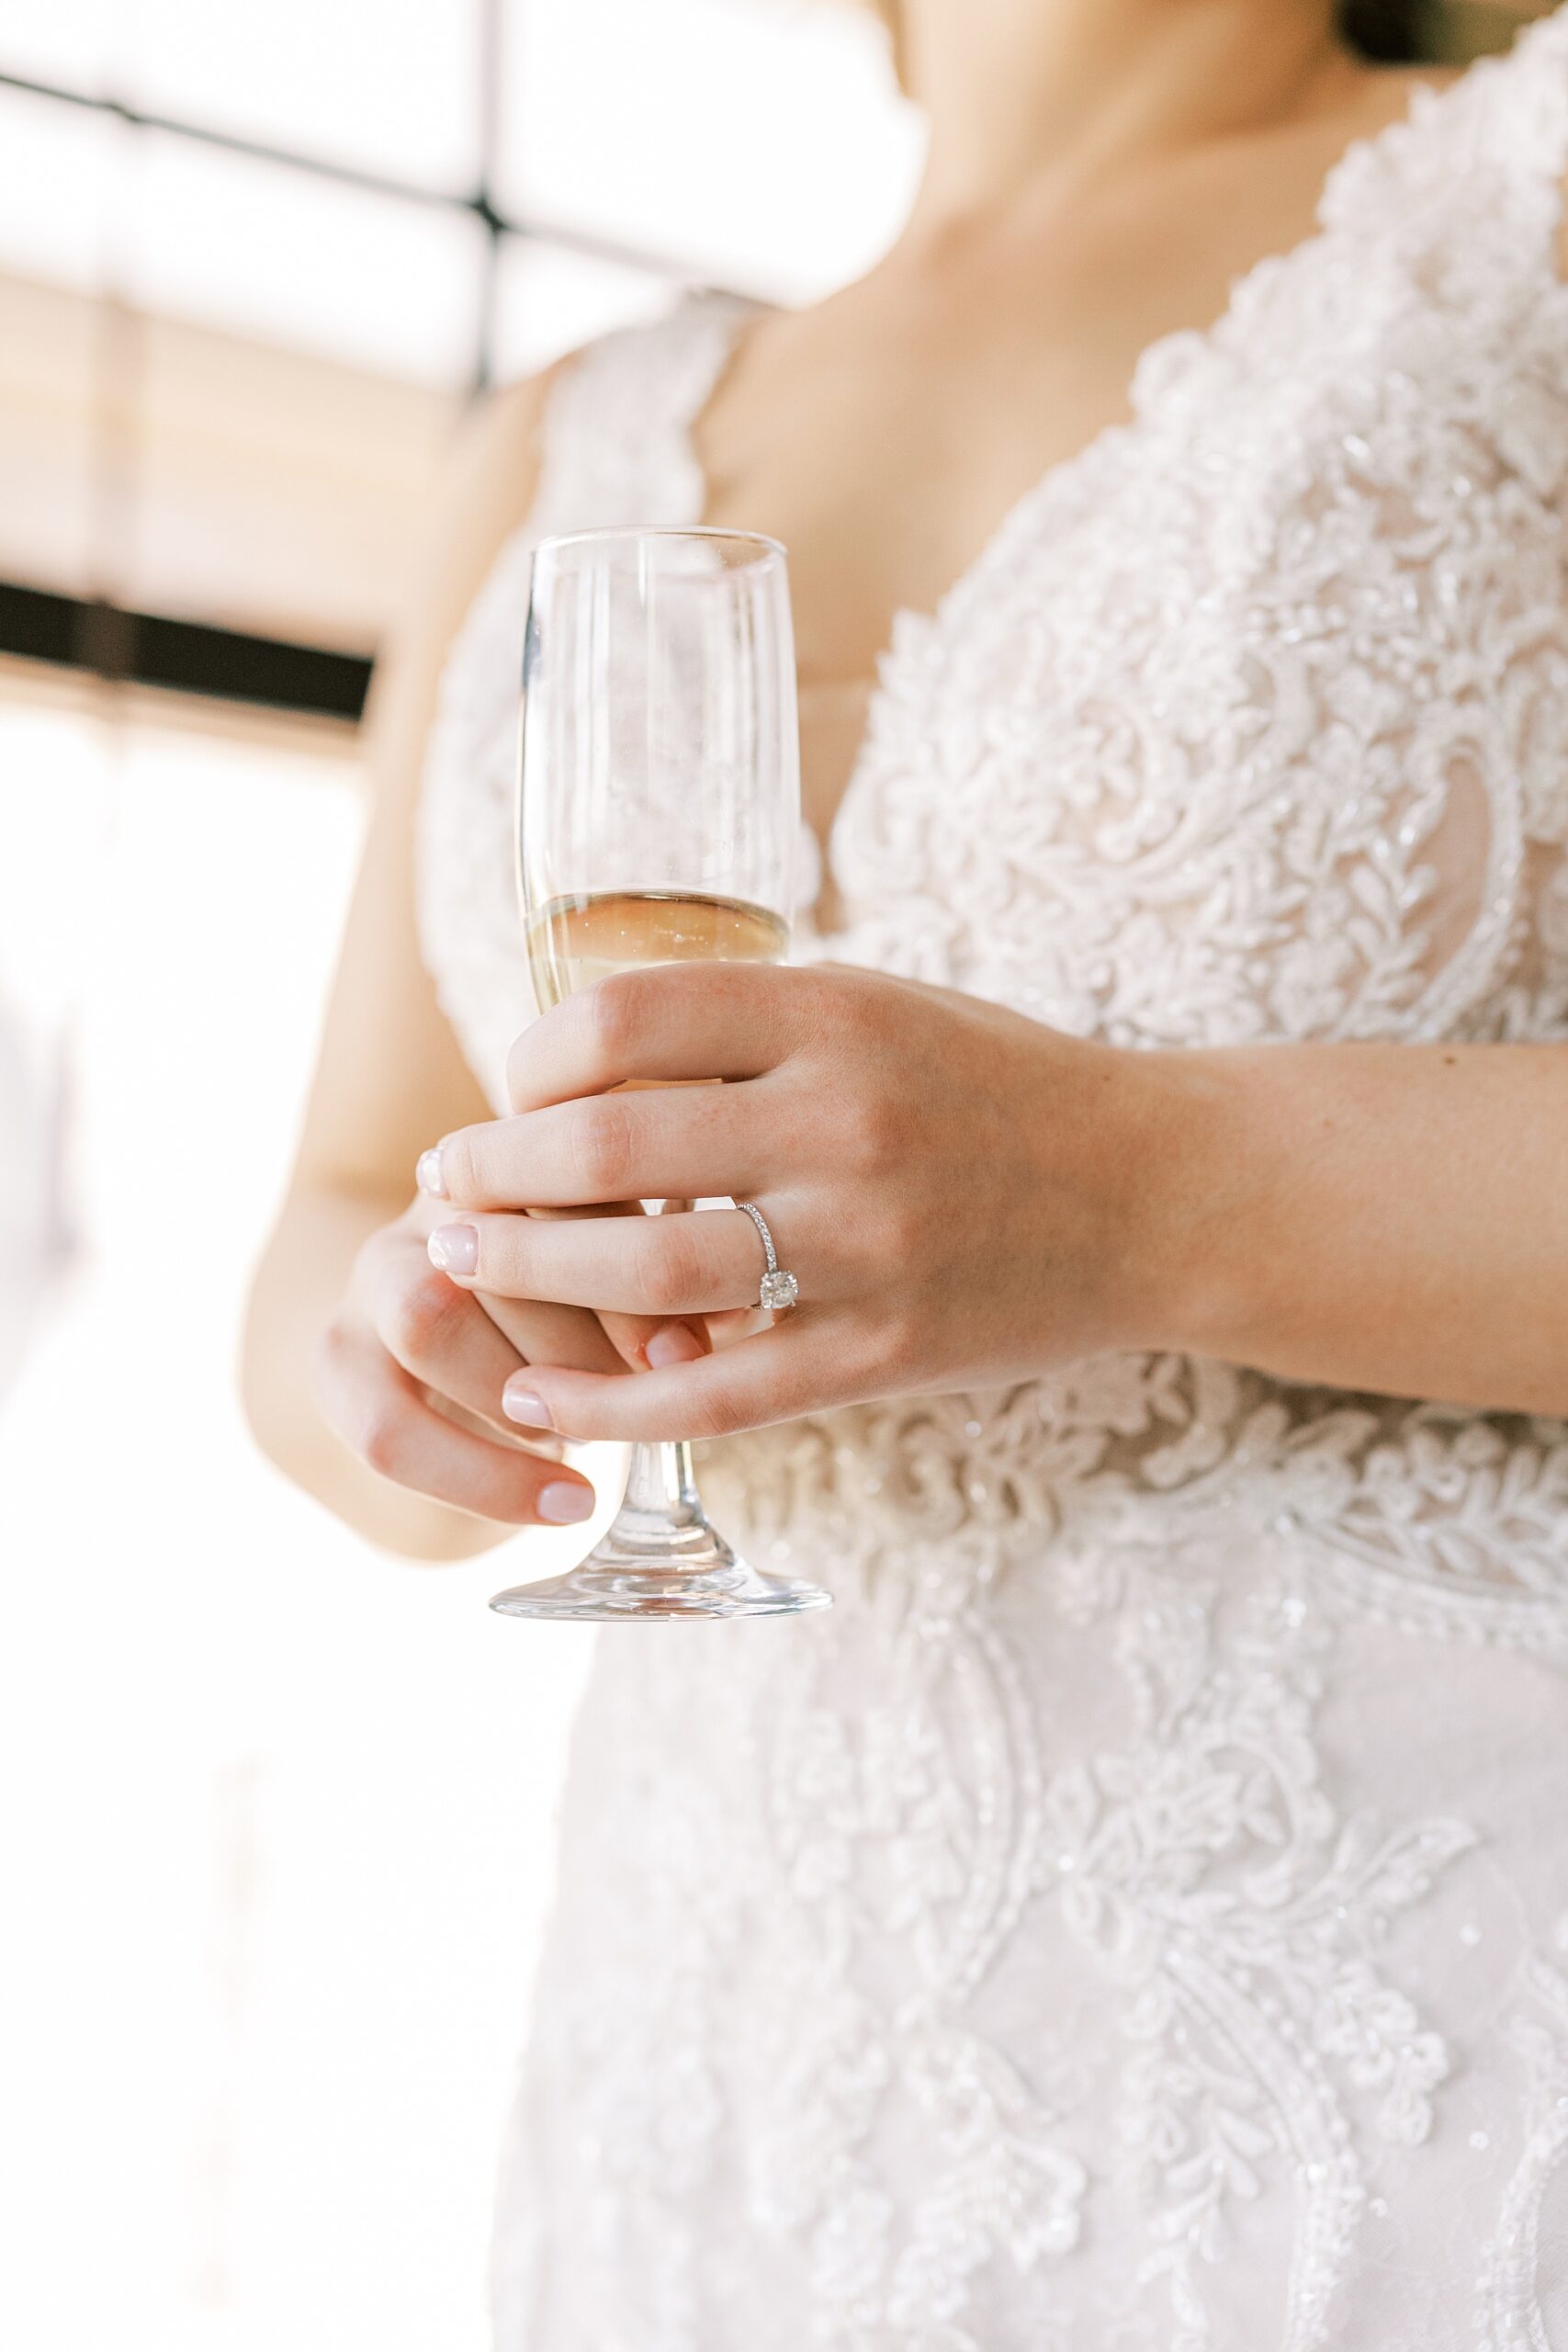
281,1832
549,300
71,42
390,284
56,180
762,145
391,85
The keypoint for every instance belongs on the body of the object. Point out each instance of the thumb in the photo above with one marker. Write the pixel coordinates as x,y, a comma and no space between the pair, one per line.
678,1340
648,1344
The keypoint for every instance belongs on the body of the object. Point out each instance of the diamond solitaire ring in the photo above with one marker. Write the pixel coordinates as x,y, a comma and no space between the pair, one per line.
779,1290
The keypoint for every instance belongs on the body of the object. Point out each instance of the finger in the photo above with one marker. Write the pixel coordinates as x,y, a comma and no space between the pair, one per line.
774,1377
542,1332
376,1406
643,1341
462,1348
441,1335
659,1266
533,1327
693,1143
671,1020
617,1340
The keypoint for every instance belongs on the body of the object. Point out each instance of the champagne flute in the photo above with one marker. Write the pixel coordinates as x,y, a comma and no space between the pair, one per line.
659,819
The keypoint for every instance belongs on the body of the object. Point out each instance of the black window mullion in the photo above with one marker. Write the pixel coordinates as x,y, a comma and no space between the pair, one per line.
492,36
580,240
96,633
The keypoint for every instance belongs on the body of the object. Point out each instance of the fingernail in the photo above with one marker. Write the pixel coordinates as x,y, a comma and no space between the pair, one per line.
562,1504
673,1343
455,1248
427,1172
521,1405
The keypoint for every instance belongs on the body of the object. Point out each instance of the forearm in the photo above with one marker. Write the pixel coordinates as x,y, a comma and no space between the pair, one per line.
969,1198
304,1273
1384,1218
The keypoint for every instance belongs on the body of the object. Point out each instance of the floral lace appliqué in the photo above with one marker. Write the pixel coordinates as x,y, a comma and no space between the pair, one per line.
1126,1920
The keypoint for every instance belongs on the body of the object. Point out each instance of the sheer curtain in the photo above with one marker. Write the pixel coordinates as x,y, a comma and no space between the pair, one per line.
276,1810
275,1824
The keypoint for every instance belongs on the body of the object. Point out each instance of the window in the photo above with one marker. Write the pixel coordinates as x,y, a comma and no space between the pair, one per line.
755,146
252,261
281,1830
403,197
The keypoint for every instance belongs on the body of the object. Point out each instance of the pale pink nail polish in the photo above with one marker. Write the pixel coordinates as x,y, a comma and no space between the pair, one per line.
455,1248
674,1343
427,1172
562,1504
520,1404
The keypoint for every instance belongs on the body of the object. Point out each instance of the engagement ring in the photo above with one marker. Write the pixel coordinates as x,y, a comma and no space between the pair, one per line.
779,1290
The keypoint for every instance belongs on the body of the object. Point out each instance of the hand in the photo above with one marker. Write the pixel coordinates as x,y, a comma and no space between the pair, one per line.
411,1372
956,1189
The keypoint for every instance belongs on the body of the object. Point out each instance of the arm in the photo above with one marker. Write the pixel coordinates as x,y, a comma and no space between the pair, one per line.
1392,1218
389,1075
1386,1218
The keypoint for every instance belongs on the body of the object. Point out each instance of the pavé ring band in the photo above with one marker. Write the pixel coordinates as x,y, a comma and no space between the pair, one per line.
779,1290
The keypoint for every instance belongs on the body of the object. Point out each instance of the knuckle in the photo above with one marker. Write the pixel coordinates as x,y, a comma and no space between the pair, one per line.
381,1435
897,1333
841,1000
711,1416
417,1315
872,1133
820,989
360,1398
334,1346
671,1274
460,1166
602,1148
900,1349
902,1239
618,1009
332,1370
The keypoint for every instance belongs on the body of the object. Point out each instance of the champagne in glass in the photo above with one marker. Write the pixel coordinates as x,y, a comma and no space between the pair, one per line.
658,817
574,941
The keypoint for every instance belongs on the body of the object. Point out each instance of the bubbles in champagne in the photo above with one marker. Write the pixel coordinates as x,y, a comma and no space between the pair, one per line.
573,942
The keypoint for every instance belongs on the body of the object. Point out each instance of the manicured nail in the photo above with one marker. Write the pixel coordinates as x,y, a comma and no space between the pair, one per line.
562,1504
520,1404
427,1172
455,1248
673,1343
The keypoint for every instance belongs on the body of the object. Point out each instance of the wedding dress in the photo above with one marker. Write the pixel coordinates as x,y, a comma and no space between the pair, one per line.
1137,1915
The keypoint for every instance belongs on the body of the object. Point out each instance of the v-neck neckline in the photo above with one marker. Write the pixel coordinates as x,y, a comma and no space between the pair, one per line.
1116,434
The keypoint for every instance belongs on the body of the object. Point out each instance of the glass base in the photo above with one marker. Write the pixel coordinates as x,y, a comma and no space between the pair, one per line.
611,1595
661,1558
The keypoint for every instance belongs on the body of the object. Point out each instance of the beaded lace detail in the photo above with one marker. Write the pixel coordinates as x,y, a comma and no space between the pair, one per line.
1137,1916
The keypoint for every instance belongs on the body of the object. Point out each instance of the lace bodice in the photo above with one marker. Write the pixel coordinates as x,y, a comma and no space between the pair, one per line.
1137,1915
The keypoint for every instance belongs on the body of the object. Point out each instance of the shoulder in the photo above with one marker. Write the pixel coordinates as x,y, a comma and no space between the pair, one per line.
1466,178
525,437
484,487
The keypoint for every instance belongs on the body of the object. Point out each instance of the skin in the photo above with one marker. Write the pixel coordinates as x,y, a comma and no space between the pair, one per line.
1390,1218
1258,1241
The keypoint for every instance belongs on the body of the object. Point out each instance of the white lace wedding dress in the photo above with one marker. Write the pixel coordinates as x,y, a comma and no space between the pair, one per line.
1137,1916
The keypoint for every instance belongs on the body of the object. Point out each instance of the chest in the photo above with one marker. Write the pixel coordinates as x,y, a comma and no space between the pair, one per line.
1238,723
886,435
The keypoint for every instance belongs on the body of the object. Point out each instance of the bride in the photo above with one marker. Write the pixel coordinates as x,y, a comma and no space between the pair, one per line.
1137,1916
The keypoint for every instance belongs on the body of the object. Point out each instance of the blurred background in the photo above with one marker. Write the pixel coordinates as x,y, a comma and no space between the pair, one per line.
278,1811
277,1817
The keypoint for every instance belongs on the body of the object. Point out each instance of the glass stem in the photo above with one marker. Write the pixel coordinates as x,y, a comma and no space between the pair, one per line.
661,1485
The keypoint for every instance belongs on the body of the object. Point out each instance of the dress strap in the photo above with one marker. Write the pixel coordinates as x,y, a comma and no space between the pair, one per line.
617,429
1477,167
1512,112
